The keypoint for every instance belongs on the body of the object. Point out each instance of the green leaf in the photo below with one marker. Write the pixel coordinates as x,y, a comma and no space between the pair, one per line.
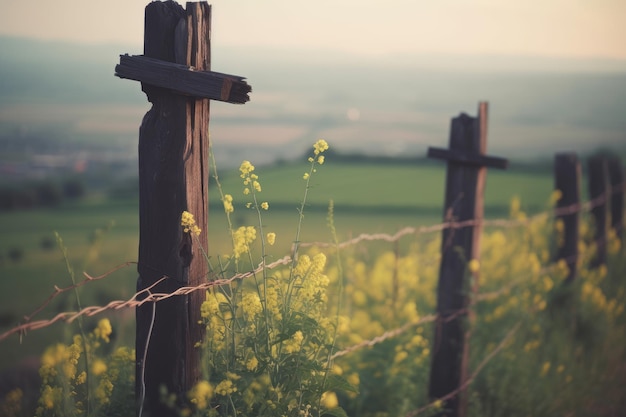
336,382
337,412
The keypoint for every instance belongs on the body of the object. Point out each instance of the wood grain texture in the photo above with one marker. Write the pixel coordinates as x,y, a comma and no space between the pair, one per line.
464,200
173,177
187,79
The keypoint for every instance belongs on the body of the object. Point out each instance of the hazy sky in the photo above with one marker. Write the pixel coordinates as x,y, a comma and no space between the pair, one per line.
572,28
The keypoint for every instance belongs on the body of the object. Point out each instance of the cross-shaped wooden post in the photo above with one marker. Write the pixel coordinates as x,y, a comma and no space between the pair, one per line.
173,177
465,184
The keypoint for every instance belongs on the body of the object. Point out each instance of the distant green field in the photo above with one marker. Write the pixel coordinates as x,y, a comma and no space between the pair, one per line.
385,188
368,198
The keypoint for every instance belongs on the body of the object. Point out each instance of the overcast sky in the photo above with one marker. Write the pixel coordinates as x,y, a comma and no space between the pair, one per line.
564,28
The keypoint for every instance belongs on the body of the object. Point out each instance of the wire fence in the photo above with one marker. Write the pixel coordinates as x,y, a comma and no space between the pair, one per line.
148,296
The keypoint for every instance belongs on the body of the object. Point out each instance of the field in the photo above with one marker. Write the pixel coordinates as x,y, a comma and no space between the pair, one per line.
387,285
369,198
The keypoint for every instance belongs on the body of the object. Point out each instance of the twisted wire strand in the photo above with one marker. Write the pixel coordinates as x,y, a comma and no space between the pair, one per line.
133,302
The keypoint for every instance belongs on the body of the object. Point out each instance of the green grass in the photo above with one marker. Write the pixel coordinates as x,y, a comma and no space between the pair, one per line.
364,187
368,198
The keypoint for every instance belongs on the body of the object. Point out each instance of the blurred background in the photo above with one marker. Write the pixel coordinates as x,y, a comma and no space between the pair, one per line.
379,80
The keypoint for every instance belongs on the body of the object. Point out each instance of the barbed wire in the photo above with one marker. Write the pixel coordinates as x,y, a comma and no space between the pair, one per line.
387,335
501,223
134,301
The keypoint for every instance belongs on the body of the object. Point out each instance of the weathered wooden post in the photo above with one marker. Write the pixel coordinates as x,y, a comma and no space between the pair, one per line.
616,178
465,185
567,180
599,194
173,177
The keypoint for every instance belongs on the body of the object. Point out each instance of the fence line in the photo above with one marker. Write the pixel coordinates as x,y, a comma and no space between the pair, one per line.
501,223
390,334
148,296
134,301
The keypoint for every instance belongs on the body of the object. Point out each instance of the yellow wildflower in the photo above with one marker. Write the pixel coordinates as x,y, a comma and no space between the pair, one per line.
555,196
265,205
104,390
189,224
225,387
242,238
228,203
294,343
104,330
251,304
200,394
98,367
320,146
81,378
329,400
271,238
246,169
252,364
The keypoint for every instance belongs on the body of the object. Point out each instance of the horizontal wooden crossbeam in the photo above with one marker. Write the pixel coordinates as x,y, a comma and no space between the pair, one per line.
467,158
183,79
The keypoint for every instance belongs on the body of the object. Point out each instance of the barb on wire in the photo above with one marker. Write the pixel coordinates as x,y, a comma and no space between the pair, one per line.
132,302
28,324
58,291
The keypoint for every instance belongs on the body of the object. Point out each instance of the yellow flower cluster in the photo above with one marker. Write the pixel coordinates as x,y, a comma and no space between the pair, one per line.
249,179
188,222
294,343
251,304
226,387
64,376
242,238
201,394
103,330
11,404
271,238
309,273
228,204
319,147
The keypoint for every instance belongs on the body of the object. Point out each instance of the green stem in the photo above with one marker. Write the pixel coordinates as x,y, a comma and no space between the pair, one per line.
70,270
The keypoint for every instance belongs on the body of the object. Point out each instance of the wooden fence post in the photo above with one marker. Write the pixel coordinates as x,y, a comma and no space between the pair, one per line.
600,190
616,178
567,180
465,184
173,177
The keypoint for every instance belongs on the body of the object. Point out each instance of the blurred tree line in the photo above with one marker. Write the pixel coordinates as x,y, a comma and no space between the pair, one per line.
45,193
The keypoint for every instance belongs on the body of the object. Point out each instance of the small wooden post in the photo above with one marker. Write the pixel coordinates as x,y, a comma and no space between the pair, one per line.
616,177
173,177
567,179
600,190
465,185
